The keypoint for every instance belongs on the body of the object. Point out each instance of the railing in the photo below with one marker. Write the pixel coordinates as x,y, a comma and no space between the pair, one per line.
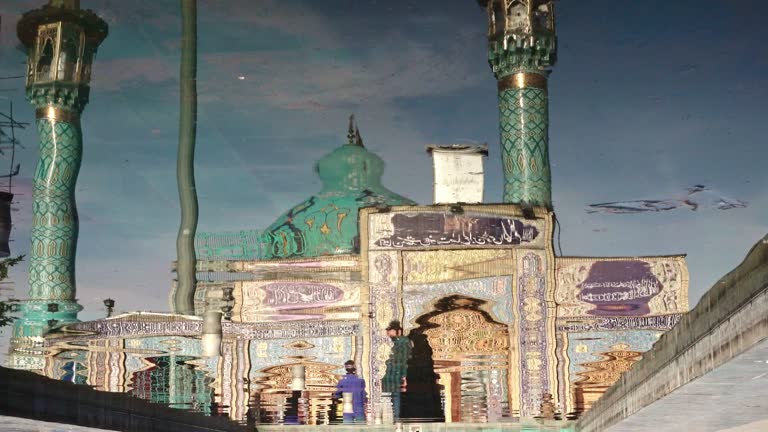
242,245
249,245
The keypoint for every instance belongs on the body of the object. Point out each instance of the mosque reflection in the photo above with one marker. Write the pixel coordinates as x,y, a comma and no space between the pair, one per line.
444,315
449,335
457,311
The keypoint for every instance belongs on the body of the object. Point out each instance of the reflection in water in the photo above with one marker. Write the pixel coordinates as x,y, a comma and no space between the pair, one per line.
294,407
397,368
451,367
74,372
168,379
171,381
359,255
351,391
216,386
421,396
279,399
454,366
469,352
592,382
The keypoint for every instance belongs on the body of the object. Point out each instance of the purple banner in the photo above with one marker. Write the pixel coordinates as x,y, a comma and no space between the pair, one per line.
619,288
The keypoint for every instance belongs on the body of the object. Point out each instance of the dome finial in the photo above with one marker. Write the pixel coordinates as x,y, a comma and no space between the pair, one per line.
358,138
351,130
65,4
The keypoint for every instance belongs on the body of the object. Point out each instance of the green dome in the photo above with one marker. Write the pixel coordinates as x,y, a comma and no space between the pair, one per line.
326,223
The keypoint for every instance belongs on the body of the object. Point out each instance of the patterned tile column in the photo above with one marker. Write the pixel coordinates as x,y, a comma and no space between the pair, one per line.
54,220
523,125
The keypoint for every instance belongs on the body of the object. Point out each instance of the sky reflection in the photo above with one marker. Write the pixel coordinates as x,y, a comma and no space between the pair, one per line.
647,98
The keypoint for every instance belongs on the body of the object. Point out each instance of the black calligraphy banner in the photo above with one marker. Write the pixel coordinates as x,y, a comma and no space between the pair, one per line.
446,229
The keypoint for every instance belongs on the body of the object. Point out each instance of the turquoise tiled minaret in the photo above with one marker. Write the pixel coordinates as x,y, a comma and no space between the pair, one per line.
521,49
61,40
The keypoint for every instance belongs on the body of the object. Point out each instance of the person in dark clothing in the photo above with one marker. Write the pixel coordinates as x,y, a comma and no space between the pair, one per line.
351,383
421,396
292,408
397,365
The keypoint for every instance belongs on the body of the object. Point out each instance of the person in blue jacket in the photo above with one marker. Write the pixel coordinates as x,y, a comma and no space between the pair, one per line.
351,383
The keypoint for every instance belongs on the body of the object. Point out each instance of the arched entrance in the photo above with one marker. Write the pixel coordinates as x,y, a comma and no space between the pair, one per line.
470,354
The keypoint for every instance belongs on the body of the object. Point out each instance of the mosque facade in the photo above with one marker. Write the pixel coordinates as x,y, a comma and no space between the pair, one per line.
503,321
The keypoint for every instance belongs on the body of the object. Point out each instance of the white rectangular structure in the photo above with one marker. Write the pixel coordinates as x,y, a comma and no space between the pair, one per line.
459,176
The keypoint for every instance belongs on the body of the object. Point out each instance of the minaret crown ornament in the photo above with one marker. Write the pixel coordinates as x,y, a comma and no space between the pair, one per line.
61,40
521,35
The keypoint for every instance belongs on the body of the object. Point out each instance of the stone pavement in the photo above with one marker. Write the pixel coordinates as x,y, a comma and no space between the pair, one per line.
18,424
731,398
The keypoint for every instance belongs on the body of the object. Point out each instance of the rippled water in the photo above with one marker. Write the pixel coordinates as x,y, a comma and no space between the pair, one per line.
465,388
455,368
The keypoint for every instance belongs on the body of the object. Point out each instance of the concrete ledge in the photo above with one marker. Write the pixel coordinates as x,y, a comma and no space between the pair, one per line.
729,319
26,394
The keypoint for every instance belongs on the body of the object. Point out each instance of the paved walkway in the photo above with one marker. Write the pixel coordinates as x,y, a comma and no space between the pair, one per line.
732,398
17,424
